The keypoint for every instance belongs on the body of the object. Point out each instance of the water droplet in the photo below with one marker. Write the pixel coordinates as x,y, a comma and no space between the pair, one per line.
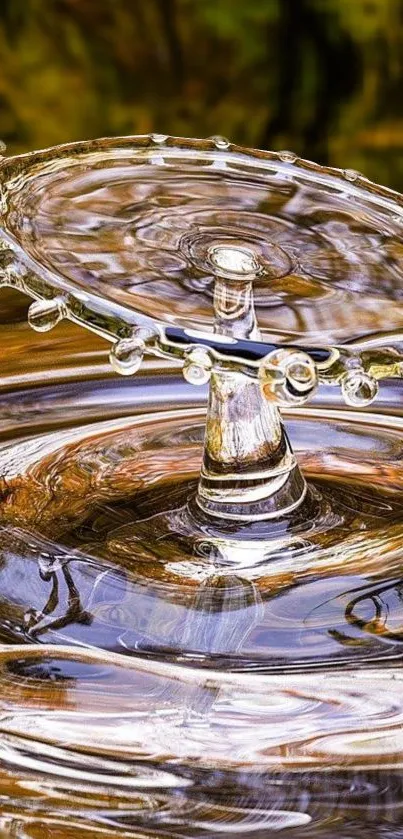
351,175
220,142
45,314
288,377
197,367
159,139
126,355
287,156
301,373
233,260
359,389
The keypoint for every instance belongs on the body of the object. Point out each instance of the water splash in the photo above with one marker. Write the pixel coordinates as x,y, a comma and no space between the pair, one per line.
159,679
139,224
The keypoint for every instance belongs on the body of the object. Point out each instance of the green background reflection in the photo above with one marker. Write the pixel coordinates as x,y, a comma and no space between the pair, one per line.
323,77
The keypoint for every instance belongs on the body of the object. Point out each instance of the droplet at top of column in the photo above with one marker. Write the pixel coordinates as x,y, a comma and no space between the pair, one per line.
249,471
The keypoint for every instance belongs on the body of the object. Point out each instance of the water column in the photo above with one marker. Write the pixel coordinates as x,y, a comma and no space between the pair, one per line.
249,471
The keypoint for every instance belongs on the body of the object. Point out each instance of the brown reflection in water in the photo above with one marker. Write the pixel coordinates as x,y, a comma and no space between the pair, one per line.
86,739
100,547
28,357
98,745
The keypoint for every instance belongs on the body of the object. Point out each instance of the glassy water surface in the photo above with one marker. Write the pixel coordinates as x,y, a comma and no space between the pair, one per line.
162,675
139,224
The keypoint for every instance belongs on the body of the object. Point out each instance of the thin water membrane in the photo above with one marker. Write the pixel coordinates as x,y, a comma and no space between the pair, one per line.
138,227
162,672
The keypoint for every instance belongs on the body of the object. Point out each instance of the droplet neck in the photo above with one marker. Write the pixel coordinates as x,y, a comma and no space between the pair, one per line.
249,470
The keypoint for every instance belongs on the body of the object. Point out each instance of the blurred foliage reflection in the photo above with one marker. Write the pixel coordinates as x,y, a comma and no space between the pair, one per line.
320,76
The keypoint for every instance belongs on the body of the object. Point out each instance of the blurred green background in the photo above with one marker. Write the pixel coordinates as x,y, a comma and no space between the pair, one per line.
322,77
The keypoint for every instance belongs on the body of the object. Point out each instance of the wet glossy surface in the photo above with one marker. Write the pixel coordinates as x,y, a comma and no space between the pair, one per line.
163,673
138,221
289,674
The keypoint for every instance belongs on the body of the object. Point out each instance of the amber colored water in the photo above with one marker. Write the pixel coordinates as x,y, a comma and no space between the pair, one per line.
136,223
163,674
184,695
